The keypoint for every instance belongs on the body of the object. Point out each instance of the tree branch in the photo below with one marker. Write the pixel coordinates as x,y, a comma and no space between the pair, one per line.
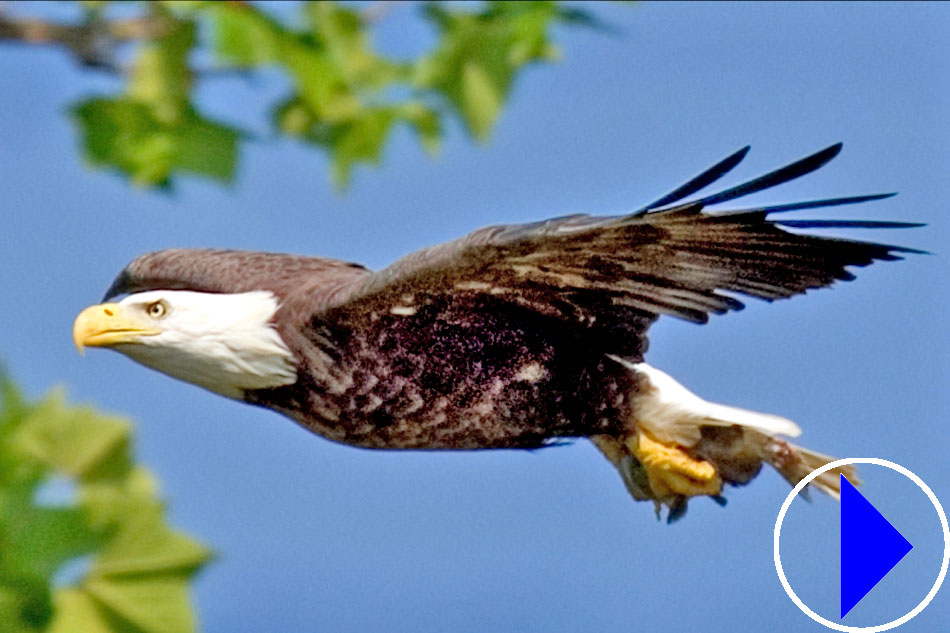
92,43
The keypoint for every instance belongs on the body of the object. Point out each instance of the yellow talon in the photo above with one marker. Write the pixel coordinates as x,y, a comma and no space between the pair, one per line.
670,470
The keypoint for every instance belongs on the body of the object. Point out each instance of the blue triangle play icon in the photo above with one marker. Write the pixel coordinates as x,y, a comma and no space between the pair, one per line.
870,546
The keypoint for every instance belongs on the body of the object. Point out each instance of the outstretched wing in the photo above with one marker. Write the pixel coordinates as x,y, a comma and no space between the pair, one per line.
676,260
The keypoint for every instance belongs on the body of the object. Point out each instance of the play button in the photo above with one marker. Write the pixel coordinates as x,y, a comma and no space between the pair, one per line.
870,546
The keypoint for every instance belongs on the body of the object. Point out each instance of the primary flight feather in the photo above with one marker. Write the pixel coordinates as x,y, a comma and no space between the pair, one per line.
510,337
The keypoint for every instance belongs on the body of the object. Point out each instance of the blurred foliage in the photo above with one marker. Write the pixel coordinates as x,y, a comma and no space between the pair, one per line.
344,97
72,499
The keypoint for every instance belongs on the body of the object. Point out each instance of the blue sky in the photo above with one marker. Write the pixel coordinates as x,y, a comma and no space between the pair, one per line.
315,536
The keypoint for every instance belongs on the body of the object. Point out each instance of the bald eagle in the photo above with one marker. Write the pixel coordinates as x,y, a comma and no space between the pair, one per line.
517,336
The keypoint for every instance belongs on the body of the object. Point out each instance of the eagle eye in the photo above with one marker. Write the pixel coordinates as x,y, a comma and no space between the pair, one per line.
156,309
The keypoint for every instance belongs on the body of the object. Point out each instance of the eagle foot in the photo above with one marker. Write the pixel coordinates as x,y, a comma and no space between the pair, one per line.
670,470
660,472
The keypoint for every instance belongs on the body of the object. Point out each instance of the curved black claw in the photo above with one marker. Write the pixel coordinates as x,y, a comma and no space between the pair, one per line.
677,510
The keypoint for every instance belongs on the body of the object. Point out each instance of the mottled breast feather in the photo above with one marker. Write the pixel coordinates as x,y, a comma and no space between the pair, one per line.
453,371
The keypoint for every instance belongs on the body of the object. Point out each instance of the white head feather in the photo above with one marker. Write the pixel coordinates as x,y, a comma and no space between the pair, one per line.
223,342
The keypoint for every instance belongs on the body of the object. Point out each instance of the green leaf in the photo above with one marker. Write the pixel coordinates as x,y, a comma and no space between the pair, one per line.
318,81
108,502
481,101
123,133
150,604
144,544
14,469
426,123
293,117
25,606
206,148
137,581
14,407
360,140
43,538
246,37
243,36
141,575
76,610
75,441
479,54
341,32
161,77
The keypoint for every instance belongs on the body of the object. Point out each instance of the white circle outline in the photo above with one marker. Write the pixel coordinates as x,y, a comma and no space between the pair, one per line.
880,627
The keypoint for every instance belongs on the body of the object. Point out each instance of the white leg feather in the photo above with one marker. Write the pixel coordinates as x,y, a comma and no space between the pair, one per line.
673,413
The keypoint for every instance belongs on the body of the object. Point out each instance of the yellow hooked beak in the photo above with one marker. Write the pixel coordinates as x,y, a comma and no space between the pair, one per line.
108,324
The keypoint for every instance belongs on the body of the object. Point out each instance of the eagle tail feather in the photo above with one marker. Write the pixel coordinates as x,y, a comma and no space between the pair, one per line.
794,463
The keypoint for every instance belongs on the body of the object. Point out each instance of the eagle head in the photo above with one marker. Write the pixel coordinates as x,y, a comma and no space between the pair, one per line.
226,343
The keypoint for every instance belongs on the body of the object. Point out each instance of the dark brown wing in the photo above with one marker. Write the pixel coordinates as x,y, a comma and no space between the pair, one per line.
678,260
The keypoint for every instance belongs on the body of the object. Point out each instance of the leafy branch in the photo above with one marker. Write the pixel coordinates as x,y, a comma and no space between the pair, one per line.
344,97
138,568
